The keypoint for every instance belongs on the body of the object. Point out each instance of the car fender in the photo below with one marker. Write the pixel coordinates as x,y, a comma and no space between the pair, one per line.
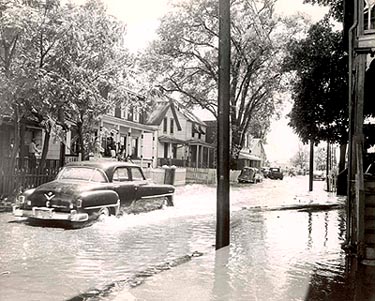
97,199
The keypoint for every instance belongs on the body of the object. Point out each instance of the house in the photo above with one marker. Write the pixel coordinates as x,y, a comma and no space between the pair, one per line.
252,154
180,136
125,129
169,134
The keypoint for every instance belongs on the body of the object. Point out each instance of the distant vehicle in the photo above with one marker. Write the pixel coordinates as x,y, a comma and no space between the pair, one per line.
259,177
247,175
265,171
86,190
319,175
275,173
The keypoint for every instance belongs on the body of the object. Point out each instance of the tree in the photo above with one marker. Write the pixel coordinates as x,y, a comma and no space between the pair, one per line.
90,69
320,111
14,82
184,61
60,61
320,157
300,159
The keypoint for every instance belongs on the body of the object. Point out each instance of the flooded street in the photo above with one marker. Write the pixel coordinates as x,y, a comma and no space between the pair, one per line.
169,254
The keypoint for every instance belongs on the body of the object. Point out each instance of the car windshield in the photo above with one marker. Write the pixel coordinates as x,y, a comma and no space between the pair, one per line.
247,172
82,174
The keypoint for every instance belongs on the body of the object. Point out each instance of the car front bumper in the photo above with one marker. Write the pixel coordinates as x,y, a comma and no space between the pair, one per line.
44,213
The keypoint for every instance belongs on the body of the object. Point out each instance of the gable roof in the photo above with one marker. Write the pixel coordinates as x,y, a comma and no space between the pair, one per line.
161,109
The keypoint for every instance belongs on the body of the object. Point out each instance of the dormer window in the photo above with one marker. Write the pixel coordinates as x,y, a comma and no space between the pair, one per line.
171,126
165,125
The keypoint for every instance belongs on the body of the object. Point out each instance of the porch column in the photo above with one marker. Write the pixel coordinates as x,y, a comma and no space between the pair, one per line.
154,149
208,157
118,139
68,139
141,148
197,156
201,154
129,141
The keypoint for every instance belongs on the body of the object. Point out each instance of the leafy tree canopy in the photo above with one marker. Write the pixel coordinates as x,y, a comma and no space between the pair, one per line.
320,86
336,7
184,60
61,60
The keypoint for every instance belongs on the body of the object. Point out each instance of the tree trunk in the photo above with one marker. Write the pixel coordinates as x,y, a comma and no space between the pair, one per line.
42,162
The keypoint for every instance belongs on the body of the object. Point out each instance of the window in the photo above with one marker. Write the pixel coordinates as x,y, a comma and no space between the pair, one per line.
118,112
192,130
165,125
82,174
121,175
171,125
130,113
137,174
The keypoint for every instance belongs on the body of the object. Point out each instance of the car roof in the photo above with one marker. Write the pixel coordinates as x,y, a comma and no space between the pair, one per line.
107,166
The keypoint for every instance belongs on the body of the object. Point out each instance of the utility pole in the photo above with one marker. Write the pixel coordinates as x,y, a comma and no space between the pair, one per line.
311,167
328,166
223,150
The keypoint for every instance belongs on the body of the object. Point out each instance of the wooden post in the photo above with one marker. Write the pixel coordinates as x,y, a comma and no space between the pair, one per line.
223,208
328,160
311,166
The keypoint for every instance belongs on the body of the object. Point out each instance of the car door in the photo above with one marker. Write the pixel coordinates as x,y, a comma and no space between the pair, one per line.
142,187
124,186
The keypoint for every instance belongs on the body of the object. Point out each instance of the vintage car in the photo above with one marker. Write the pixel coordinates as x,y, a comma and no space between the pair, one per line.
319,175
248,175
275,173
86,190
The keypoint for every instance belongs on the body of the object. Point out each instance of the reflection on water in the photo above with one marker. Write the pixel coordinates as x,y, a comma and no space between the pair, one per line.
274,255
284,255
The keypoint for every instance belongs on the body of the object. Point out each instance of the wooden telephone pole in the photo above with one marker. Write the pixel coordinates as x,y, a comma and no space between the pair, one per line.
223,150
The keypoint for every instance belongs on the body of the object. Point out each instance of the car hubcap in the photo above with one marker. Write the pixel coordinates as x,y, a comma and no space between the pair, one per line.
103,213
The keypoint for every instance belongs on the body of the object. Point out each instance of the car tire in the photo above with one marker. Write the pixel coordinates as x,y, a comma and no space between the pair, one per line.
103,213
170,201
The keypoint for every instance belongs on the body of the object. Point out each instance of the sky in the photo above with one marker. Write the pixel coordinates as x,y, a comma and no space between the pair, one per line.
142,17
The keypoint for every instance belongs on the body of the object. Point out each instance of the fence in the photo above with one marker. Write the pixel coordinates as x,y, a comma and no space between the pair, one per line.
207,176
23,177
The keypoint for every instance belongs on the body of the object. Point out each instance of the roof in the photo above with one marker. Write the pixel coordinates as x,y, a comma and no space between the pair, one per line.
243,155
168,139
162,107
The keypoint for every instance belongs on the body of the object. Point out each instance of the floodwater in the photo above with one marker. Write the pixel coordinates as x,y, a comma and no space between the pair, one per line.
169,254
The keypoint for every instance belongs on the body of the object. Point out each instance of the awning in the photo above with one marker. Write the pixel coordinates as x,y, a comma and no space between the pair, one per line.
200,142
166,139
249,157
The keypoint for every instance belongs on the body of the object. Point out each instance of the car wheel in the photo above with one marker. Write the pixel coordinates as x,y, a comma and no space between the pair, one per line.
170,200
103,213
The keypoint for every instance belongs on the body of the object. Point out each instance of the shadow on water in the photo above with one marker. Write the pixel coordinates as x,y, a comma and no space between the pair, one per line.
357,283
350,280
52,224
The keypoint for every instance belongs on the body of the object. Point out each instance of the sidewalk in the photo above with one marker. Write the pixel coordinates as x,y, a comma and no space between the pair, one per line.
288,254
